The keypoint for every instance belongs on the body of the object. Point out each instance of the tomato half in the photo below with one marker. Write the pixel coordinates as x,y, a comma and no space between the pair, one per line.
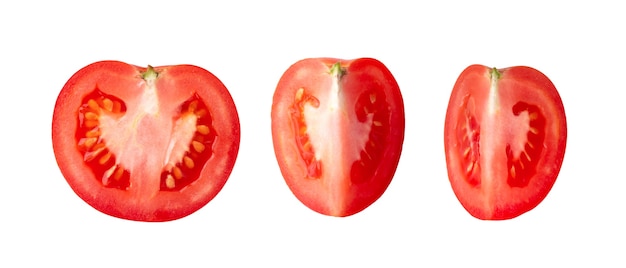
145,144
505,134
338,129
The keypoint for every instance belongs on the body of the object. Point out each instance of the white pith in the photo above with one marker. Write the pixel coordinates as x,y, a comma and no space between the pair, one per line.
139,143
336,136
500,128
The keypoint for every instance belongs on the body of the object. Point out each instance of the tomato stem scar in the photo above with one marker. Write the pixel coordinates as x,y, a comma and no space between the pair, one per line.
337,71
495,74
149,74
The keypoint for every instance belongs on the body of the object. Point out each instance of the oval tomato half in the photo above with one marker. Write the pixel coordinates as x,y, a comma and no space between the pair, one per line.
338,129
505,134
151,144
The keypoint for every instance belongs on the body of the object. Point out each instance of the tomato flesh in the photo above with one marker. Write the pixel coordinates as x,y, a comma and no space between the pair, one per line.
505,138
145,144
338,129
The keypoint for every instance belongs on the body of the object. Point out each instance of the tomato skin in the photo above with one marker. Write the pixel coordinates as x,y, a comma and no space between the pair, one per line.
327,178
173,85
505,135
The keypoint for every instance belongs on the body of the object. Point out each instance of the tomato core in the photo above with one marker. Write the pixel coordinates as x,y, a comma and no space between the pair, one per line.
102,135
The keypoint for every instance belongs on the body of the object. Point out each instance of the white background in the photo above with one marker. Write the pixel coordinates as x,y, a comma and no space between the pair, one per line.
255,220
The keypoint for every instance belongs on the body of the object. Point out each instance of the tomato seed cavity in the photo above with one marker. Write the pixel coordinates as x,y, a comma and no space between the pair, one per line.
187,169
470,133
522,167
314,166
92,146
372,103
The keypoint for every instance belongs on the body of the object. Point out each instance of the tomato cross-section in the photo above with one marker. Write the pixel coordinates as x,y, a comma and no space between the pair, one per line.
338,129
505,135
145,144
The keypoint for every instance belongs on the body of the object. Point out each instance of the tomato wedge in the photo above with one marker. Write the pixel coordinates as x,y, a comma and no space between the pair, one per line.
505,136
338,129
145,144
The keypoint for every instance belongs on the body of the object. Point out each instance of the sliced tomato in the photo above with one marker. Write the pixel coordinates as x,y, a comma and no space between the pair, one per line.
145,144
505,136
338,129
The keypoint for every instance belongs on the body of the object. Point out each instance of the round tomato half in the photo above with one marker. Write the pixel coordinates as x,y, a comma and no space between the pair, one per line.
145,144
338,129
505,134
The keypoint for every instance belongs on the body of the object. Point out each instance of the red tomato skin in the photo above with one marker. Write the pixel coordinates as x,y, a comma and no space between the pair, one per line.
493,198
344,198
121,79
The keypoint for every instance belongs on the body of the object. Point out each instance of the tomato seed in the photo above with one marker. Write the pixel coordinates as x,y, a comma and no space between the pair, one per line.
198,146
521,164
188,162
107,175
169,182
92,133
303,130
105,158
512,172
118,173
201,113
192,106
107,104
91,116
466,151
203,129
178,174
93,154
93,105
91,123
88,142
306,146
469,167
99,147
366,110
117,107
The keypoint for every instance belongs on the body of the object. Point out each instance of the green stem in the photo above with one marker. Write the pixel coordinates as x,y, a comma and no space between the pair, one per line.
337,70
495,74
149,74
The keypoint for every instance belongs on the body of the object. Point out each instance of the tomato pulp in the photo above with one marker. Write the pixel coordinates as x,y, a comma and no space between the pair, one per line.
338,129
505,134
145,144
